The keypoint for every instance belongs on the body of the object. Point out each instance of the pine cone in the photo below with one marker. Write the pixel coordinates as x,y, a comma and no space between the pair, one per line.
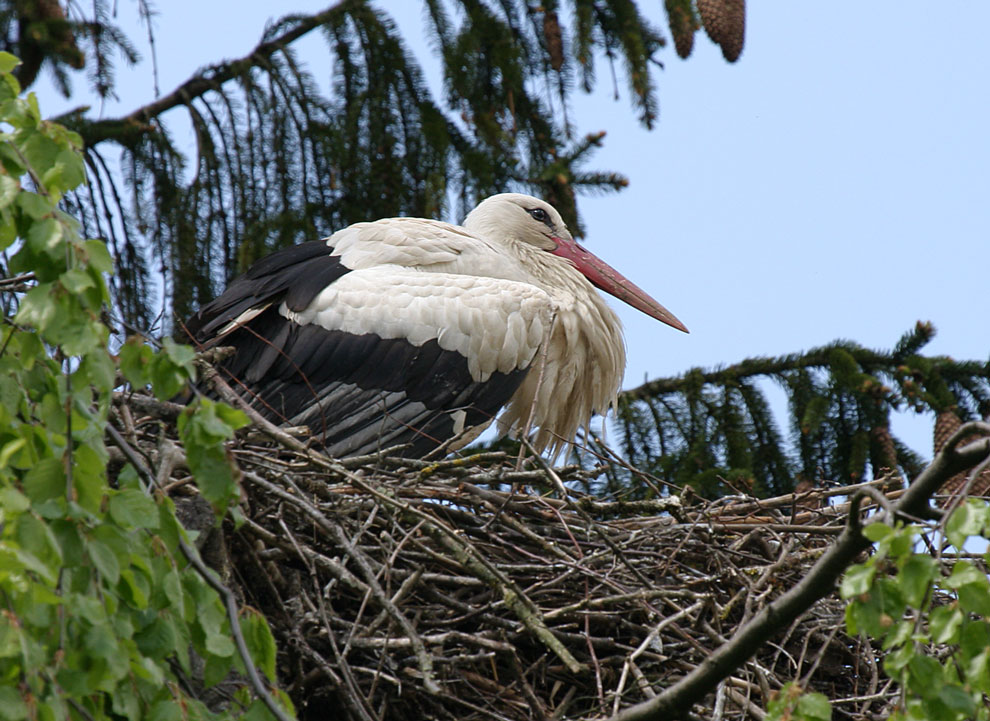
725,23
887,456
683,24
947,423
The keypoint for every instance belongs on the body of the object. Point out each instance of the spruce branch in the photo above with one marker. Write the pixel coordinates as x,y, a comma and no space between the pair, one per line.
210,78
868,360
708,425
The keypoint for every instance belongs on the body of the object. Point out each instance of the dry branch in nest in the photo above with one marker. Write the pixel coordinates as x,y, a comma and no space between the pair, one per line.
471,588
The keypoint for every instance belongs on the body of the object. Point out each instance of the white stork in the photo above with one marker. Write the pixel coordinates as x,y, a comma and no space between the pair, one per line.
414,331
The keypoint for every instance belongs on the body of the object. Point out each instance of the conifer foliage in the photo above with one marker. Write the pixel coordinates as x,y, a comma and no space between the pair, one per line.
280,159
714,430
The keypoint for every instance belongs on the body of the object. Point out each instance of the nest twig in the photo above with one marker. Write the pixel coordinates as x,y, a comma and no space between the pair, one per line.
400,589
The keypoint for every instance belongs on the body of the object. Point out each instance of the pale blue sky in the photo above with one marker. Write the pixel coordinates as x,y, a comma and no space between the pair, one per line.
834,182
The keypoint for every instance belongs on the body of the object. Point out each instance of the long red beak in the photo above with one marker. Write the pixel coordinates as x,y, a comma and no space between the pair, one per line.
608,279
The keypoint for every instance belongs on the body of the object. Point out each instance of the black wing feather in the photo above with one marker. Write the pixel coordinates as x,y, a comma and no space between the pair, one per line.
295,275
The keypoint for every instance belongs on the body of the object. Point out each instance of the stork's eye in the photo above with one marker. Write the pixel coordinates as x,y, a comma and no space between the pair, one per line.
539,214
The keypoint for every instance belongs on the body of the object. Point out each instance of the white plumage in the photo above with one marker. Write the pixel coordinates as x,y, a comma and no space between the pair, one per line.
407,330
496,324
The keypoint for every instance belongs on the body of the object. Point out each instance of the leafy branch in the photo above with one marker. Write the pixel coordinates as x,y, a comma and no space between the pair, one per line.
819,582
104,601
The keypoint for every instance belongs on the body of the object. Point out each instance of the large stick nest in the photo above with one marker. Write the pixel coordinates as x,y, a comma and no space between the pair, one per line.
472,588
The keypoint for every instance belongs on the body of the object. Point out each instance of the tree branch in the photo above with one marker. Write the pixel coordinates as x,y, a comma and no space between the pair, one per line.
868,359
209,78
676,701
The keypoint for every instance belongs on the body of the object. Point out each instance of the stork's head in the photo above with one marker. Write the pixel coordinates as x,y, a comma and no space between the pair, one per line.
532,221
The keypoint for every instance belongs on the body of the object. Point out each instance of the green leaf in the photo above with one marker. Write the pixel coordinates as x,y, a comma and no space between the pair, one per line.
104,559
180,354
857,581
40,151
978,671
171,586
36,537
135,588
901,634
169,529
792,704
216,669
13,501
924,674
259,641
135,361
963,573
814,707
877,531
69,165
915,578
874,613
8,62
89,480
166,710
79,336
46,480
975,597
203,428
100,370
32,350
11,640
16,560
124,705
258,711
975,637
967,520
70,542
944,624
8,229
98,256
158,639
957,699
147,669
9,449
901,542
74,681
212,619
215,476
12,706
35,110
44,236
167,378
76,281
9,188
100,641
38,307
133,509
34,205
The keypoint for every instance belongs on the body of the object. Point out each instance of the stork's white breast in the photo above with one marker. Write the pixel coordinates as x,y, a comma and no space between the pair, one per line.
496,324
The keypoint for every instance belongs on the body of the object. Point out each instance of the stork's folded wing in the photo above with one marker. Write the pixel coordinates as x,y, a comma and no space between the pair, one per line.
388,356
